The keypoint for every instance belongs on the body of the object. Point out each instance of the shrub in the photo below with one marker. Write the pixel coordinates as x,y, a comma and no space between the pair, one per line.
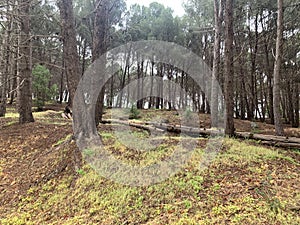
134,113
41,89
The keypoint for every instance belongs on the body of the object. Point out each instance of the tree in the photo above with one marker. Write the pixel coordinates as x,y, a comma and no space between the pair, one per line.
278,60
71,57
100,43
25,76
216,62
6,60
41,90
228,68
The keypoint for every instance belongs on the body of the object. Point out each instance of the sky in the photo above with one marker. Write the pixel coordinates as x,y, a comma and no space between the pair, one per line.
176,5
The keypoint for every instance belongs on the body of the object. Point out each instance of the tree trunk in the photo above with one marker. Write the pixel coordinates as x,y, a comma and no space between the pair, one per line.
84,53
228,70
100,47
216,63
25,74
15,69
290,102
71,58
6,60
296,103
139,88
13,88
253,78
151,100
278,59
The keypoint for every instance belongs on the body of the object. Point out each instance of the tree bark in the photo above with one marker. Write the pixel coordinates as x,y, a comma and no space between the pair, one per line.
216,63
228,70
270,84
253,78
297,103
25,73
278,59
6,60
71,57
100,47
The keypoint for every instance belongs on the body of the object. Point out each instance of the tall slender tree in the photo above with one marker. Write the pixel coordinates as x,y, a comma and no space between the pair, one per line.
278,59
71,57
228,69
216,63
6,55
25,73
100,46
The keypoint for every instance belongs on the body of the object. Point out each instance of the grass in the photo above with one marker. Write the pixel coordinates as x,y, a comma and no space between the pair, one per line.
189,197
12,115
62,141
244,184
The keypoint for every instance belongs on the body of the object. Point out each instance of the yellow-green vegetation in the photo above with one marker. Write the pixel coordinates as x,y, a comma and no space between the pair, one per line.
50,117
47,117
11,115
62,141
244,184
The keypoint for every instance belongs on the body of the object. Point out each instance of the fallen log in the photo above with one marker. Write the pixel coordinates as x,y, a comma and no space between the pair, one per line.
286,142
132,124
281,144
194,131
164,127
265,137
277,141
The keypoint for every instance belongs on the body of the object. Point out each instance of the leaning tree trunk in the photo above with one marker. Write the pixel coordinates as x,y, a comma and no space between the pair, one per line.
278,59
25,74
71,58
228,70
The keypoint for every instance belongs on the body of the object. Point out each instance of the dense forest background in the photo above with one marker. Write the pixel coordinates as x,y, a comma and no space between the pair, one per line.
252,47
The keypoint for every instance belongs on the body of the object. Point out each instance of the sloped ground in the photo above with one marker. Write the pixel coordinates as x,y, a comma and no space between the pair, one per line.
28,154
245,184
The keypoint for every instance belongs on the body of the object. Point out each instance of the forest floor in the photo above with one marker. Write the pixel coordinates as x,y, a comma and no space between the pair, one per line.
245,184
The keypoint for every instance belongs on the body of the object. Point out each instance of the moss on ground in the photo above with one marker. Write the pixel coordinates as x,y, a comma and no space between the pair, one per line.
244,185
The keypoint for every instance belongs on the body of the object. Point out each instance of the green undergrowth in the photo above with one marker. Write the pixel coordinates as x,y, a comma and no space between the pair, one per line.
244,184
47,117
50,117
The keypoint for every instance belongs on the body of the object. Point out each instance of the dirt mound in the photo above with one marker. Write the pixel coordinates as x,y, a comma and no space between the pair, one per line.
29,154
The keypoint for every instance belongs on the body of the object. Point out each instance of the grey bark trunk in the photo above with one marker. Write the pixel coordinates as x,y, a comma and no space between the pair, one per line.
71,58
100,47
278,59
216,64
